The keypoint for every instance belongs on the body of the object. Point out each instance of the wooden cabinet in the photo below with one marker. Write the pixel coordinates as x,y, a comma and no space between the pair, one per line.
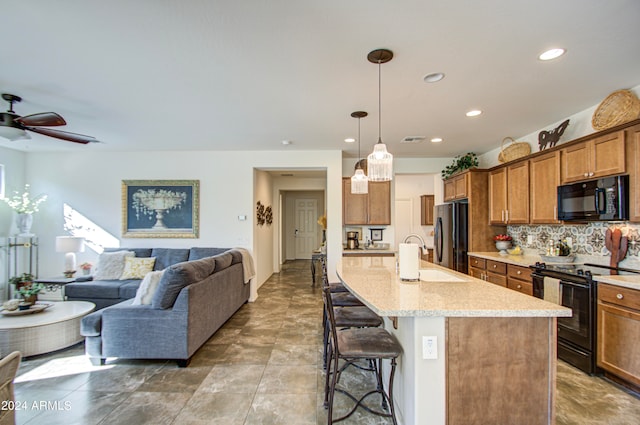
509,194
619,332
500,273
426,210
633,166
544,174
519,279
456,187
602,156
371,208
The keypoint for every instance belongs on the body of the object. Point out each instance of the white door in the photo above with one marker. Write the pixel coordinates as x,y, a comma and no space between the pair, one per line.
306,232
404,220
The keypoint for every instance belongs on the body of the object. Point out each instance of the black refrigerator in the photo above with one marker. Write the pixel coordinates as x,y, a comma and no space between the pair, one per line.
451,239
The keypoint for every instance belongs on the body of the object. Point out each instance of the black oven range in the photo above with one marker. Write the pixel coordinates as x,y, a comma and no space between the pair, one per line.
571,286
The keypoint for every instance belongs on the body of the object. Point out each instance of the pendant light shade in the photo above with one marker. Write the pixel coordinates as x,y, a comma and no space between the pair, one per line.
380,161
359,181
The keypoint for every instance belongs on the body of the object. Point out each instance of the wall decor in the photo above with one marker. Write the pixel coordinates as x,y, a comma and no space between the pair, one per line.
268,215
376,234
160,208
260,213
551,137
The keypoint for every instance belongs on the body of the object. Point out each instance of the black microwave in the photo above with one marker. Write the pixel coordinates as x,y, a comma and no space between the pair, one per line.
605,199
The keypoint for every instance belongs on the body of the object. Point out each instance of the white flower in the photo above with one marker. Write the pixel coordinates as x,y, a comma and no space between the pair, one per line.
24,203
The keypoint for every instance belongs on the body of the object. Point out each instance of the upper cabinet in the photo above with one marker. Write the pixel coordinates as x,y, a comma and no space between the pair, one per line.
633,166
426,210
599,157
371,208
456,187
544,174
509,194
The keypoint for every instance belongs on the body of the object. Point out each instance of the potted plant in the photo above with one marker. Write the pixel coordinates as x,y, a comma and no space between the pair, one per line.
23,280
460,163
86,268
30,292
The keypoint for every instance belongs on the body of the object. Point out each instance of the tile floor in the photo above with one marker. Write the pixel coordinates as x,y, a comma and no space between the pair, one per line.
263,367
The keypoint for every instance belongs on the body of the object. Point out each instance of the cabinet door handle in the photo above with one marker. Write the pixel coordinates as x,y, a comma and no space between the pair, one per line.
619,296
591,174
519,286
495,266
586,174
507,214
502,216
518,272
555,212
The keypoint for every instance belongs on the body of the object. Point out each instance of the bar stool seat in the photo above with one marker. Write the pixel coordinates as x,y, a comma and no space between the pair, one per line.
356,317
368,343
345,299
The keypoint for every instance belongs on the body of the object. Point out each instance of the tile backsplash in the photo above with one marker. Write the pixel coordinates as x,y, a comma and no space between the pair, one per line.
587,239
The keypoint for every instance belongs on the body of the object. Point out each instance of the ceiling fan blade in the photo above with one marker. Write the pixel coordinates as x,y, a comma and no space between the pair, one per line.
46,119
64,135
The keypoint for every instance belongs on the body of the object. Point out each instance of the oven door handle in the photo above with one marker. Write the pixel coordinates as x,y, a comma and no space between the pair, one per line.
574,284
600,193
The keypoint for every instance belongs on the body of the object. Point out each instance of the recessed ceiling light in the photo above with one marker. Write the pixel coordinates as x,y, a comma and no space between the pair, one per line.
474,113
433,77
436,140
551,54
350,140
286,142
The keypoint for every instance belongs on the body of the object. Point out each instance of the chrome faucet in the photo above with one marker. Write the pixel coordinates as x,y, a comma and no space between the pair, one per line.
413,235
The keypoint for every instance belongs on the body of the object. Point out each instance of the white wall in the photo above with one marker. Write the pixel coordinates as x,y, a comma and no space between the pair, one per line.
14,179
91,183
412,186
263,234
579,126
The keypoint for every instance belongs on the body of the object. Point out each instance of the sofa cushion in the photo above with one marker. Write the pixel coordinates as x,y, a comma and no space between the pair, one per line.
197,253
223,261
166,257
111,264
147,288
129,289
98,289
137,268
140,252
177,277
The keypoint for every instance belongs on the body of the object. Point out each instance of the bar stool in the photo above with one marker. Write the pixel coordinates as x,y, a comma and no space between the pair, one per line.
353,344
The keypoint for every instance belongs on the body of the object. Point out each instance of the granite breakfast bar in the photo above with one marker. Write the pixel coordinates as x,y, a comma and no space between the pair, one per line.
492,351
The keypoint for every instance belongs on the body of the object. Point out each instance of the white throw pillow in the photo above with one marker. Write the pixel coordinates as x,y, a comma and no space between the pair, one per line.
111,265
147,288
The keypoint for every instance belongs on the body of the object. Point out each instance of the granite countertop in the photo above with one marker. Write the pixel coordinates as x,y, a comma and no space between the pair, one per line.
627,281
375,282
518,260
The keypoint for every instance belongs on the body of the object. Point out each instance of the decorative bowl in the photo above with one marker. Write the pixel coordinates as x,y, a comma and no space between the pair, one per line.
502,246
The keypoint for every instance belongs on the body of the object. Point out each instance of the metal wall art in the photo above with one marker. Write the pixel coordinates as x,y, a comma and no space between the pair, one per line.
551,137
263,214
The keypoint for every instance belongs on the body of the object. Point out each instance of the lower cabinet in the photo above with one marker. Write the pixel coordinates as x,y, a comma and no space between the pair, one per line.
619,332
506,275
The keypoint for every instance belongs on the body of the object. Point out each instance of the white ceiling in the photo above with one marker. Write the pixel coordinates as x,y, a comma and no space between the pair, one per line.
245,75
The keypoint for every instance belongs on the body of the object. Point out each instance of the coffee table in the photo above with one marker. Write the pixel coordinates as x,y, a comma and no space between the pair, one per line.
52,329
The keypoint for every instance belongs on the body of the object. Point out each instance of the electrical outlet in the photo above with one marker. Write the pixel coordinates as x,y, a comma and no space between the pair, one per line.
429,347
529,240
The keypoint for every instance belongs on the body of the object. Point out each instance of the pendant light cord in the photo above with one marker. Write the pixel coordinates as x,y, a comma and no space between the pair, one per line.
379,104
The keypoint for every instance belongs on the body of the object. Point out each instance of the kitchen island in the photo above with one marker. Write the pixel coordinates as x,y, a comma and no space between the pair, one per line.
494,356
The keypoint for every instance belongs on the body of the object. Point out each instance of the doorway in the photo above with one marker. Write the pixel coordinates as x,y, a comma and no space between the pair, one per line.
301,233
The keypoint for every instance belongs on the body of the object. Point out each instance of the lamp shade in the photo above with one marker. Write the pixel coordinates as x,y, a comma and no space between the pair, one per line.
359,182
380,163
69,244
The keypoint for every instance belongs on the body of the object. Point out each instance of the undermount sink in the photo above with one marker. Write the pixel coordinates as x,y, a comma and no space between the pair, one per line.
433,275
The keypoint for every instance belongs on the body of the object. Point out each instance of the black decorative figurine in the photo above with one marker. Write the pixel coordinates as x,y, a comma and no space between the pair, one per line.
551,137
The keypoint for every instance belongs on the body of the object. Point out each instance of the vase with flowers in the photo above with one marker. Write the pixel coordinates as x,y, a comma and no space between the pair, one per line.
503,242
25,206
86,268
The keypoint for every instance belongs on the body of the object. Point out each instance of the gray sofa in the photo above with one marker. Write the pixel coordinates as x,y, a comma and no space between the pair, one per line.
193,300
104,293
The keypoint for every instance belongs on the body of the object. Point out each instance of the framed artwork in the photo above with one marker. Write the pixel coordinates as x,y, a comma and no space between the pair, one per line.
376,234
160,208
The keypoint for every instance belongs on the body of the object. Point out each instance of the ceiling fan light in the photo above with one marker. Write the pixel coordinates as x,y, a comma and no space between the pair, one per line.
380,163
359,182
12,133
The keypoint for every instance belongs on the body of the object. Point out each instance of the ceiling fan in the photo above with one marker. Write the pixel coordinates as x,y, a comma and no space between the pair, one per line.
13,126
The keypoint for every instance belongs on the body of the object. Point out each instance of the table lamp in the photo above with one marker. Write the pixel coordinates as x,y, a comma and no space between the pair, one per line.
69,245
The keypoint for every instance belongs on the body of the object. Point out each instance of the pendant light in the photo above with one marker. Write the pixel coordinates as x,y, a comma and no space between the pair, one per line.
380,162
359,181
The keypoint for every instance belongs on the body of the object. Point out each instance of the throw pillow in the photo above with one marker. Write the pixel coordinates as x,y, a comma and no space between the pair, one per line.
179,276
137,268
111,265
147,288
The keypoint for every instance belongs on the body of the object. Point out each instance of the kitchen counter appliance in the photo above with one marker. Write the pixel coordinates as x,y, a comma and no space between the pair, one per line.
605,199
